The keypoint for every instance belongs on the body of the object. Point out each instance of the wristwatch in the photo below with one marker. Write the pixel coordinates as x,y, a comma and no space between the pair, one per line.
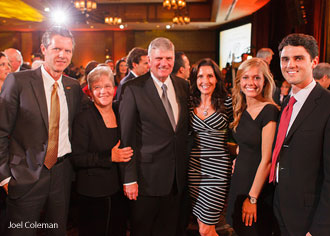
253,200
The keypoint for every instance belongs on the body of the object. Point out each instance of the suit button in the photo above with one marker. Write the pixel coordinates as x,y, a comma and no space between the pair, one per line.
285,145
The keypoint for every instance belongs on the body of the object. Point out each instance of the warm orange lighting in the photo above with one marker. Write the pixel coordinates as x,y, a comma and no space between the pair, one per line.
85,5
174,4
181,17
113,20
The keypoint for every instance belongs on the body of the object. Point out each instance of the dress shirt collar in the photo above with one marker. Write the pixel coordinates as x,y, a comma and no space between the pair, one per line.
159,83
133,73
302,94
48,79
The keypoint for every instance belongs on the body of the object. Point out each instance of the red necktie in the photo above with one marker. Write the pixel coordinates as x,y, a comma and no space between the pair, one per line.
282,130
53,132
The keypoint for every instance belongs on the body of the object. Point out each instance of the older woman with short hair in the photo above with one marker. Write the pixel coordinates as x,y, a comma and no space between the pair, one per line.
96,153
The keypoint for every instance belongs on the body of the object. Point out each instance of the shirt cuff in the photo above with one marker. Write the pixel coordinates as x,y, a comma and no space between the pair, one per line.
5,181
130,183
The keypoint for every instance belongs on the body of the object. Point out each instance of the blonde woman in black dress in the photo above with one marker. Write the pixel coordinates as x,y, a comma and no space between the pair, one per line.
209,165
255,116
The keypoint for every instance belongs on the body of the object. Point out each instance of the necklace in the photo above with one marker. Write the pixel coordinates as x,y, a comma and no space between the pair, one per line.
205,112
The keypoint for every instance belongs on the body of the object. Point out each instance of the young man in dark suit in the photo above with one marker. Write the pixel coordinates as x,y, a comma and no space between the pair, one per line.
37,108
154,122
301,171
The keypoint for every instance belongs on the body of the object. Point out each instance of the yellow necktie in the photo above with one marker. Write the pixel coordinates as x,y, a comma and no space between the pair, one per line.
53,132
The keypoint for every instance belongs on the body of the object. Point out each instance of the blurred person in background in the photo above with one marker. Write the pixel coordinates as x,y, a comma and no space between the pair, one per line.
137,62
121,70
321,74
5,68
181,67
15,58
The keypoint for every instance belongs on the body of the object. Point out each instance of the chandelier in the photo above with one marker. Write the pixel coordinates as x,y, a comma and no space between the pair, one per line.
181,18
174,4
85,5
113,20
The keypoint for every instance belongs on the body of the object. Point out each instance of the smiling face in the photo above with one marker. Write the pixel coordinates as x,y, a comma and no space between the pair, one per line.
57,55
102,91
252,82
161,63
206,80
297,66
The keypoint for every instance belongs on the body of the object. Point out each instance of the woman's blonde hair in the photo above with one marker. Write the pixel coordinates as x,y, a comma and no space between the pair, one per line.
239,100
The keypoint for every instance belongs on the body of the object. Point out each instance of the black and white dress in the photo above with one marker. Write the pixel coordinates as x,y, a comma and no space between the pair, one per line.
209,165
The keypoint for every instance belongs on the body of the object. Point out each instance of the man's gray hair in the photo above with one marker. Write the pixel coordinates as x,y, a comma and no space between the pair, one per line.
56,30
264,53
160,43
321,70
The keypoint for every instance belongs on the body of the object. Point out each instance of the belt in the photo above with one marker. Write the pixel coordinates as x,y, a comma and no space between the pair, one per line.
62,158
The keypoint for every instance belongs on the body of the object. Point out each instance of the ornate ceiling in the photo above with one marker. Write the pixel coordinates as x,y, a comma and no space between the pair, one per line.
29,15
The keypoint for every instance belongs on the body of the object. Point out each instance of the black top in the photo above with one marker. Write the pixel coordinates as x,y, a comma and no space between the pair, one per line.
92,142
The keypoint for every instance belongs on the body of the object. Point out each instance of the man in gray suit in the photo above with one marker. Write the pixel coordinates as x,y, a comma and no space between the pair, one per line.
37,108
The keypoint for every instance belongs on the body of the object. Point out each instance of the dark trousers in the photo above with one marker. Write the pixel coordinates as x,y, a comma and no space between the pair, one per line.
155,216
49,195
103,216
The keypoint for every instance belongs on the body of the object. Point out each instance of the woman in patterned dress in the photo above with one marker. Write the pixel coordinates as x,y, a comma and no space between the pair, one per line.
209,165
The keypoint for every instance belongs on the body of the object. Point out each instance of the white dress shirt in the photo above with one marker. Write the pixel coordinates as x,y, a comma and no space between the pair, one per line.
64,145
170,94
300,97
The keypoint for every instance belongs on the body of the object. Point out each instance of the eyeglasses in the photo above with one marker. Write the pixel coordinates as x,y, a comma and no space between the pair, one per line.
99,88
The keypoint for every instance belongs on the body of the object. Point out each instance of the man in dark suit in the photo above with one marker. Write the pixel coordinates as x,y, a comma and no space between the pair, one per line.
302,170
154,122
137,62
181,67
37,108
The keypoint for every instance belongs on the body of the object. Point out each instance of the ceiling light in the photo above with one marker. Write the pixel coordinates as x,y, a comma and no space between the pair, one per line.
181,17
113,20
59,17
174,4
85,5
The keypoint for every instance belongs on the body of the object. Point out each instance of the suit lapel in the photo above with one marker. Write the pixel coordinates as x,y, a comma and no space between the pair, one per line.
68,94
178,95
306,109
39,92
